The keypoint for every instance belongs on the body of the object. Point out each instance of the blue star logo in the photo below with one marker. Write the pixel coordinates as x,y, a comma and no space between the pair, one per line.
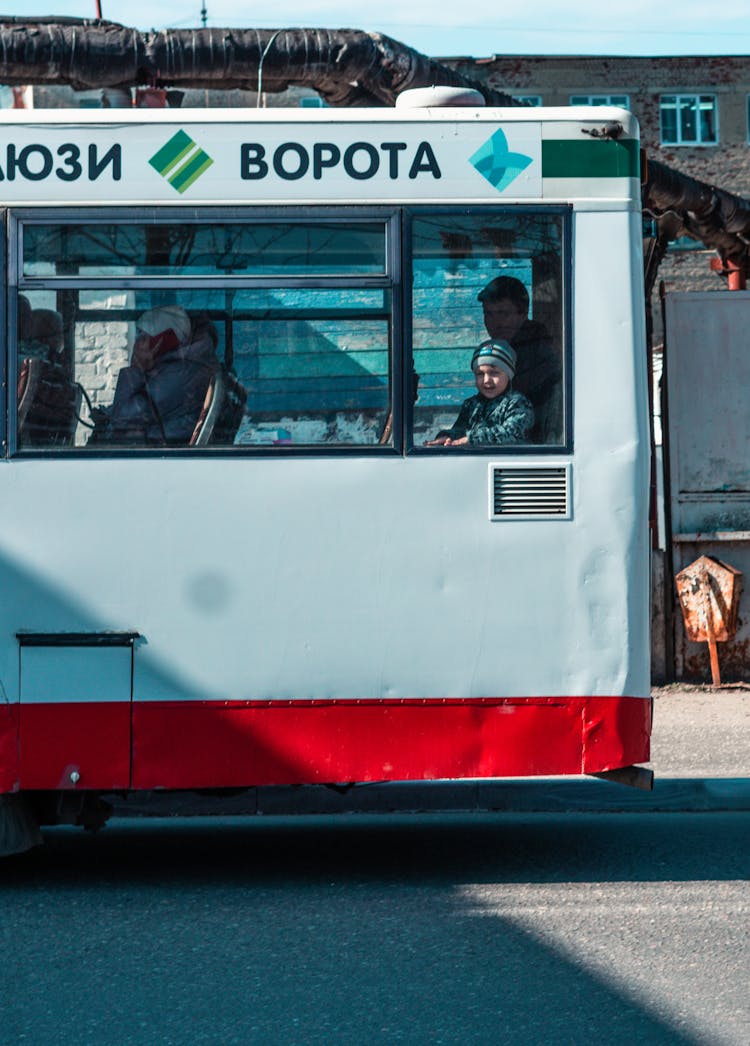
497,164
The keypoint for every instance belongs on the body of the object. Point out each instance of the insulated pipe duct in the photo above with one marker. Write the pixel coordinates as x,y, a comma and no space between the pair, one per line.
717,218
345,66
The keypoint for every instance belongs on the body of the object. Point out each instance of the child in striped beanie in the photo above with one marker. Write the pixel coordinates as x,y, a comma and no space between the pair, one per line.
496,414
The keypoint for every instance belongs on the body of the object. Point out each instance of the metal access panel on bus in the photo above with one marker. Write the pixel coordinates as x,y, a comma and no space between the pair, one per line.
74,715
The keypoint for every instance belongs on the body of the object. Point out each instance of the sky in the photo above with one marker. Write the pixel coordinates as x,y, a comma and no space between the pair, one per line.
478,28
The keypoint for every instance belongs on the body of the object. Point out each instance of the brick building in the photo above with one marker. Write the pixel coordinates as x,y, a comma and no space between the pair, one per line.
693,111
694,114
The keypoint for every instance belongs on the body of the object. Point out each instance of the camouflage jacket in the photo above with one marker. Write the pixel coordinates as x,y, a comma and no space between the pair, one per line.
506,419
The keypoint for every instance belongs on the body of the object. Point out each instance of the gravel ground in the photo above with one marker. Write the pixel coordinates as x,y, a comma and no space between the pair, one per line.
701,731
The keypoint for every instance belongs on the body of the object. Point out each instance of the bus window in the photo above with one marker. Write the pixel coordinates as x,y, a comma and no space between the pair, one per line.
316,364
160,324
477,278
262,248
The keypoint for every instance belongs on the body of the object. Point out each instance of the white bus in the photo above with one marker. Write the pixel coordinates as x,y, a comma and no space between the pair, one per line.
300,563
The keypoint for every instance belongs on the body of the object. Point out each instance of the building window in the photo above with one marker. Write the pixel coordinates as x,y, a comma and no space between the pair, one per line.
688,119
528,99
621,100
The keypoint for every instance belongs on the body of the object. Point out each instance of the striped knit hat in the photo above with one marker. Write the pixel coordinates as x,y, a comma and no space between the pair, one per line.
495,353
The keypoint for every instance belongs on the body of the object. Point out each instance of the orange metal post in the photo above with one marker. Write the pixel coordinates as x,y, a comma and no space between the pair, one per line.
736,273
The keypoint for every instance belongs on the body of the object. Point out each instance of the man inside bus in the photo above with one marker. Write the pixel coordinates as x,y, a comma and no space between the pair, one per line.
40,331
158,398
497,414
47,331
505,304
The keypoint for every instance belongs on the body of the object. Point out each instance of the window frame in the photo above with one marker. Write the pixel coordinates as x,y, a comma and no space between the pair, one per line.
8,324
696,96
391,281
585,99
565,212
21,217
397,279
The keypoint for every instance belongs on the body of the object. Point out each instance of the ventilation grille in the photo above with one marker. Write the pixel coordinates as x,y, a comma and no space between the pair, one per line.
529,492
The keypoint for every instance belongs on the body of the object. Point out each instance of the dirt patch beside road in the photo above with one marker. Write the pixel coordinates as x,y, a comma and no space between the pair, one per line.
701,731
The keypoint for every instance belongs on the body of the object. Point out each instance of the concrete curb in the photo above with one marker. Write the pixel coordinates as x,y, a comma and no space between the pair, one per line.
545,795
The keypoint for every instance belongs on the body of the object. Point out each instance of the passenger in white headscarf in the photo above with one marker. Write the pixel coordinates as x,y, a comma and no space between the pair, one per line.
159,397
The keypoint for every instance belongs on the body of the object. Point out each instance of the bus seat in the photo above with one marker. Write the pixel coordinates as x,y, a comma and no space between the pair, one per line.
222,411
232,409
210,411
29,376
48,404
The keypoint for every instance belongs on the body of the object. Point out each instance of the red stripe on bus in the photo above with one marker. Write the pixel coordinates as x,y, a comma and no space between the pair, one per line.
8,748
345,742
209,744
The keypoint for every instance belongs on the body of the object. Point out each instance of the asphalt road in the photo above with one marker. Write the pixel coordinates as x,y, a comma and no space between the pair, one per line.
507,928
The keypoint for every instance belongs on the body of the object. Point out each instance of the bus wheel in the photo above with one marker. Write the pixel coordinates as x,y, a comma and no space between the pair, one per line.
19,827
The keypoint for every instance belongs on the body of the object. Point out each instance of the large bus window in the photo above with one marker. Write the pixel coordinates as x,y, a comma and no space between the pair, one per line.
484,278
257,335
314,366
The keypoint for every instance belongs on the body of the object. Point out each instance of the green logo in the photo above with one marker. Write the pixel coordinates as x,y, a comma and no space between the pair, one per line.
497,163
181,161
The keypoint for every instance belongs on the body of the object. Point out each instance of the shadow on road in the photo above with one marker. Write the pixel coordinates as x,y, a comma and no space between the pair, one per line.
434,849
357,931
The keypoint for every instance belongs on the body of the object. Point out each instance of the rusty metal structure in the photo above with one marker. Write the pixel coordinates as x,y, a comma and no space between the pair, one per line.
709,594
706,378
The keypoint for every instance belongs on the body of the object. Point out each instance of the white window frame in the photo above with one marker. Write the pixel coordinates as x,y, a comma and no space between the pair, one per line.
696,142
618,99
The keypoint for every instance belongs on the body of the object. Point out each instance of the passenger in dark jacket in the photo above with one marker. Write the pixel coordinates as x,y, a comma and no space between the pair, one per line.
505,304
159,397
497,414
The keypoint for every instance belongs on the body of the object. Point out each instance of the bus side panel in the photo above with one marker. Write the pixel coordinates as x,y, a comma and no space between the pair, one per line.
83,745
616,732
609,592
233,744
8,747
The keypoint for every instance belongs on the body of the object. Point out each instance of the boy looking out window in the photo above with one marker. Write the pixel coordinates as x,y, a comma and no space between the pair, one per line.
497,413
